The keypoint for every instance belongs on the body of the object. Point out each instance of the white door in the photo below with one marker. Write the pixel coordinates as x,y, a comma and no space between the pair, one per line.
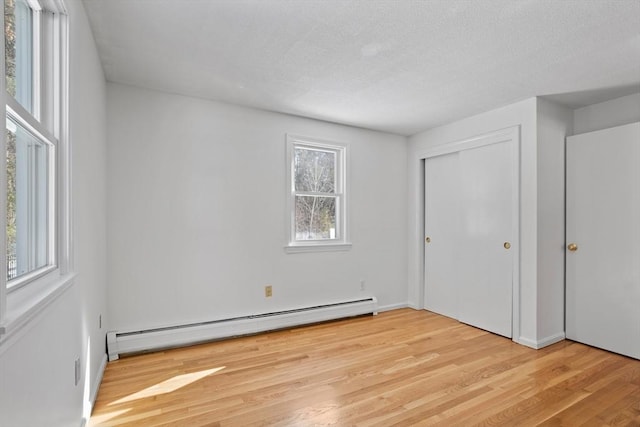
442,216
603,239
469,233
485,270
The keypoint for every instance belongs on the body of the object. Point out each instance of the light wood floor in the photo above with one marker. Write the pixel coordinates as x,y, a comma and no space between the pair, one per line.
402,367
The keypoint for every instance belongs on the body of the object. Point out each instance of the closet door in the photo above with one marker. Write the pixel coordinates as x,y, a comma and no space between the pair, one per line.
470,222
603,239
442,215
485,269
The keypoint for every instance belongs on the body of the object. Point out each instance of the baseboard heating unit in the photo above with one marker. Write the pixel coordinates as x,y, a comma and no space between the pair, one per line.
119,343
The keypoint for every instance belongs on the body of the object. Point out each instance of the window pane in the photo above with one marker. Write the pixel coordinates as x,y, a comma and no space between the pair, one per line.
18,43
27,201
315,218
315,170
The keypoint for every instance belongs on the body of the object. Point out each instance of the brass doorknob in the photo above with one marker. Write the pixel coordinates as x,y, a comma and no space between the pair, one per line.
572,247
507,245
427,239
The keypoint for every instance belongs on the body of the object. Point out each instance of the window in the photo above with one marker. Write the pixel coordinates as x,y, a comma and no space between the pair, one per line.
316,194
36,209
29,220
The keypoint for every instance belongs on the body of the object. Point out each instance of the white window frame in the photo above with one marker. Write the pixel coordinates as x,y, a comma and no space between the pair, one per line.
28,295
341,242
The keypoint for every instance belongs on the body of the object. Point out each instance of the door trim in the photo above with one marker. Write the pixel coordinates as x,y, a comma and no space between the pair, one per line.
502,135
510,134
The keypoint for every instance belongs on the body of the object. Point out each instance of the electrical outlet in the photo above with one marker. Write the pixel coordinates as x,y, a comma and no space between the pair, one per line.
77,371
268,291
362,285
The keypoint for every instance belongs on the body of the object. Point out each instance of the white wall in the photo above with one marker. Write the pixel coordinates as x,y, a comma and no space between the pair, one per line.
37,368
619,111
196,208
88,115
554,123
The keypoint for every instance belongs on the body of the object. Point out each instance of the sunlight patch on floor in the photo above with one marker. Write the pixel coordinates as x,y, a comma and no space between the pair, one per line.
97,420
168,386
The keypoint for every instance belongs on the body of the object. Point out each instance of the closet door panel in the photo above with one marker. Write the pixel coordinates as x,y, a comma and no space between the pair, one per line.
442,222
470,247
485,257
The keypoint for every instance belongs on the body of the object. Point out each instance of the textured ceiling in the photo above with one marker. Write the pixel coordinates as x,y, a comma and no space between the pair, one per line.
400,66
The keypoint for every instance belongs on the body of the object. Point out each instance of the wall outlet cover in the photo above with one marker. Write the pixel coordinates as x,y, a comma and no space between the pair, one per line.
77,371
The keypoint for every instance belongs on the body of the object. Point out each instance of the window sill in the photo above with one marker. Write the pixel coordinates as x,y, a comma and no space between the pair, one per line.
26,303
317,247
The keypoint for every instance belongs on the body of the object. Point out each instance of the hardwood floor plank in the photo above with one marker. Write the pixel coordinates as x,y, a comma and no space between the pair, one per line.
403,367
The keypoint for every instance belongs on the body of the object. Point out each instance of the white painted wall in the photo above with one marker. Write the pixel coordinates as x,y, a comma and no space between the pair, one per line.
88,112
521,114
37,369
619,111
554,123
196,211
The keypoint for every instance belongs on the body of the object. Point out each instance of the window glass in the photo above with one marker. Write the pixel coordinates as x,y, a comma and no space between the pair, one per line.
27,222
18,43
315,170
315,217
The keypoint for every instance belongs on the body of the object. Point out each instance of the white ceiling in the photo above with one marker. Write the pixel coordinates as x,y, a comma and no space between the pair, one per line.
400,66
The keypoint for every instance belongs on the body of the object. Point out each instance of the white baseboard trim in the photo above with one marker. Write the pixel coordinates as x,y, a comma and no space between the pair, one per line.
544,342
390,307
552,339
96,385
414,306
526,342
94,389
